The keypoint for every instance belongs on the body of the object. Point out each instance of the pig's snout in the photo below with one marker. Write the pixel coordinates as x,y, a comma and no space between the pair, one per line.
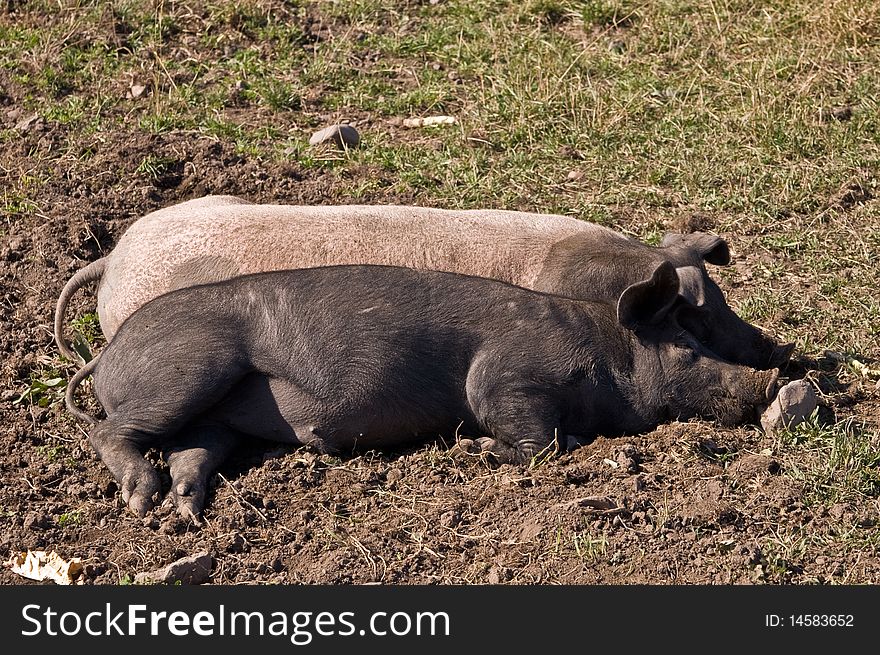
781,355
767,381
751,386
770,388
747,393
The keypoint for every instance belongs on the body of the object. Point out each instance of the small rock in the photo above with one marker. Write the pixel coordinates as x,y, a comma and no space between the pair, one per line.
173,524
627,462
530,531
713,490
597,502
37,521
393,476
838,510
429,121
236,93
450,519
794,403
344,136
237,544
574,176
752,465
135,91
191,570
571,153
498,574
29,123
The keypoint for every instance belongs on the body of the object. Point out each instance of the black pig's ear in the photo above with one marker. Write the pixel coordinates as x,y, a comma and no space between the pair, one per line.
690,285
648,302
710,247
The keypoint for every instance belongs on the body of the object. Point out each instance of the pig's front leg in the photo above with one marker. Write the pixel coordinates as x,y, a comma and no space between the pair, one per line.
521,421
197,450
522,427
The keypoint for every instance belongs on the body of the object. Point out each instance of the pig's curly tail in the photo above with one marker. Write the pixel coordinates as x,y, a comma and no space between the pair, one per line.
91,273
74,382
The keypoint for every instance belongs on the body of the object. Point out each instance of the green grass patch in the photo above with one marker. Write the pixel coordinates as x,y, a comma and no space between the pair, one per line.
69,519
842,460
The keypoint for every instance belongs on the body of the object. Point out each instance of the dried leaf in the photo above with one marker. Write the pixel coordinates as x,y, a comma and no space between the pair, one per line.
40,565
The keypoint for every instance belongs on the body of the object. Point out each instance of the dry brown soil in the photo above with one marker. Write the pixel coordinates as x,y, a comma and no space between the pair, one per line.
686,503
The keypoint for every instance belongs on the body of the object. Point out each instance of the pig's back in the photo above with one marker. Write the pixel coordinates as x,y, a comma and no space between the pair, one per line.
219,237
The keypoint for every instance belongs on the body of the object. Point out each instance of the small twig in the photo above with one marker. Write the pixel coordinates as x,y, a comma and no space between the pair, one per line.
242,499
245,501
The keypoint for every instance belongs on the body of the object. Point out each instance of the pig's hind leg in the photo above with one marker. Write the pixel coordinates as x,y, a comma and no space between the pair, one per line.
151,410
194,455
121,447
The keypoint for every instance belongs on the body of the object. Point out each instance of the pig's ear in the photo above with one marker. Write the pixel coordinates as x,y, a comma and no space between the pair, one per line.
711,248
649,301
690,285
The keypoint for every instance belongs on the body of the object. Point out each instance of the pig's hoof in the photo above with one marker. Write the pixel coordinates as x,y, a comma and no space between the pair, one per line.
532,452
487,444
491,450
464,448
141,492
189,498
140,503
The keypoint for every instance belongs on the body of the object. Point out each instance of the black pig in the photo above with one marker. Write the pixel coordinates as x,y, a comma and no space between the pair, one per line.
347,357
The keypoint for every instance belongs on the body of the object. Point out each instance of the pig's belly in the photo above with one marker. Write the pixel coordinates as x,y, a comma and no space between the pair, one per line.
276,409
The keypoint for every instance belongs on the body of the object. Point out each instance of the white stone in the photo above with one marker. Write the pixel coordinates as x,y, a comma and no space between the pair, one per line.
191,570
794,404
344,136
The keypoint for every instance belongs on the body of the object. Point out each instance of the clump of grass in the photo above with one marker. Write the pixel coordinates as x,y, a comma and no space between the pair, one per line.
606,12
153,167
279,95
52,453
69,518
550,11
87,334
588,546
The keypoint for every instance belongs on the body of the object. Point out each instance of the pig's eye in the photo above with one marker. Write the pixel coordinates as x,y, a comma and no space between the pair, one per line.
684,349
684,340
692,319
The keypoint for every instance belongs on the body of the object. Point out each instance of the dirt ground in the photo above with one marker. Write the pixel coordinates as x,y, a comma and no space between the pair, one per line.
686,503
